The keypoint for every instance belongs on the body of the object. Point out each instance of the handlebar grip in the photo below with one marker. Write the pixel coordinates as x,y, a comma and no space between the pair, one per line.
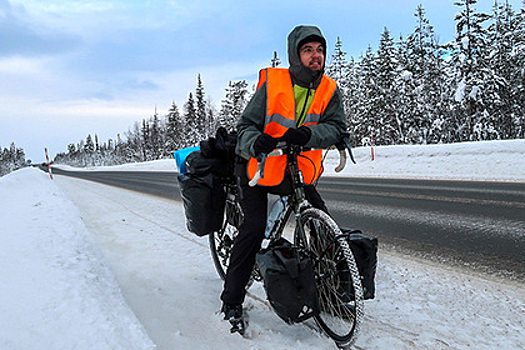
259,173
342,161
257,176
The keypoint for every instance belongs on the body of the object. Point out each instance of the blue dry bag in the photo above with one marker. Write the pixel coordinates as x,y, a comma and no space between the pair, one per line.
180,158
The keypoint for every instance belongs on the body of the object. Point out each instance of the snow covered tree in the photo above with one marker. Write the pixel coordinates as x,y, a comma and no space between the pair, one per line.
133,151
385,73
517,77
11,159
156,137
233,105
503,34
191,129
470,69
145,138
200,110
89,146
211,118
361,118
422,79
338,67
174,139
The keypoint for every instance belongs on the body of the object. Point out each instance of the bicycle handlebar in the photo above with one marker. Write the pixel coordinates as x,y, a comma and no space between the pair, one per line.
343,145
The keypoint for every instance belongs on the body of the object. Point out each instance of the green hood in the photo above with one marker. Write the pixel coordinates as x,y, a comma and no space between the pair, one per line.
302,75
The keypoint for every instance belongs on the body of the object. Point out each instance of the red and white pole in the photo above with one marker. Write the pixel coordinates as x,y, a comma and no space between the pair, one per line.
372,145
48,164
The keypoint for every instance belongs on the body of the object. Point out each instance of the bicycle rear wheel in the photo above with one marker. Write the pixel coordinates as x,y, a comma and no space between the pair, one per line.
337,277
221,243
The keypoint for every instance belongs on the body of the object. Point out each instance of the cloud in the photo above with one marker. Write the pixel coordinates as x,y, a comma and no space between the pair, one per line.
23,35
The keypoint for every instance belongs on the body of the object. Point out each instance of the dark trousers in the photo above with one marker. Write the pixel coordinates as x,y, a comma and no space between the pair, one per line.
251,235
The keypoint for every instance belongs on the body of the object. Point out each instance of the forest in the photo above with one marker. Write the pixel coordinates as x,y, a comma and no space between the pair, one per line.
11,159
411,90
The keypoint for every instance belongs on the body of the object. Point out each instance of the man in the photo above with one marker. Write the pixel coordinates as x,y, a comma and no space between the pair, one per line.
302,106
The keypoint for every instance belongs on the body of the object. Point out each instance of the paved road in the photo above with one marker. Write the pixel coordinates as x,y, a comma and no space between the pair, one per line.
477,224
480,224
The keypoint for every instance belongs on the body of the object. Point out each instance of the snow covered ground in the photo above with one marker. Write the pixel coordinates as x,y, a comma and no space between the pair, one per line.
88,266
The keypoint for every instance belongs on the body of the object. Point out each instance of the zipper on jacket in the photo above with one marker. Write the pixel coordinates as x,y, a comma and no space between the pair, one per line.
301,116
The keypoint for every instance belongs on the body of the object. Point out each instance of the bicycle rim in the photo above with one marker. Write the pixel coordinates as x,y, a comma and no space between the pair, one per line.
221,243
337,277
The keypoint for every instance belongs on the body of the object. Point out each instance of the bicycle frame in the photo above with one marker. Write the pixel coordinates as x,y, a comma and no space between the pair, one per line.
297,199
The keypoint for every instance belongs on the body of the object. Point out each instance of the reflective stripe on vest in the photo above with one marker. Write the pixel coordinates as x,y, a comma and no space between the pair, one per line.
280,116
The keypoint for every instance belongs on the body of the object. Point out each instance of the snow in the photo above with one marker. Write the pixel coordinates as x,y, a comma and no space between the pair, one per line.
460,91
88,266
57,292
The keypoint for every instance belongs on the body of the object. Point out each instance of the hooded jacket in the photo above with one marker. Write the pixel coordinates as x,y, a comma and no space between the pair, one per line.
332,121
301,75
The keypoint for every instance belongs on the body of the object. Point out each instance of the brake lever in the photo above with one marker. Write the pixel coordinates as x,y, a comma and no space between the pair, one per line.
346,141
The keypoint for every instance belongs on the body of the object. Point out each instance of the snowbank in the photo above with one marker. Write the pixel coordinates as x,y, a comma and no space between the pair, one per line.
479,161
57,292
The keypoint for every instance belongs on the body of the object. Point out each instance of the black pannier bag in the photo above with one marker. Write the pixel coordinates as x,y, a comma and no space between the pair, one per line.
365,254
199,165
289,281
202,188
204,199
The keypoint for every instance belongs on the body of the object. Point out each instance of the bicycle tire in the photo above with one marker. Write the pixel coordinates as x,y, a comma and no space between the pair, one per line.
338,281
221,243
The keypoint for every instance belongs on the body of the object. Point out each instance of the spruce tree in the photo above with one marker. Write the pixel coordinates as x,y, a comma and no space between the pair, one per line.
156,137
191,129
233,104
386,123
424,61
174,139
200,110
506,62
362,123
11,159
470,71
338,67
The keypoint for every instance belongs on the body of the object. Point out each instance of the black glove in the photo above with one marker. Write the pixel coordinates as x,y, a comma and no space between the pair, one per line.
264,144
298,137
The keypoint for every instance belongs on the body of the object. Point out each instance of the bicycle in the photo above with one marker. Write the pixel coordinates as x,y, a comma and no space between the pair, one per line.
337,277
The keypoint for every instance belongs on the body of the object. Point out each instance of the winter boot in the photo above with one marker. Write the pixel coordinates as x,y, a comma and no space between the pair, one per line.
234,314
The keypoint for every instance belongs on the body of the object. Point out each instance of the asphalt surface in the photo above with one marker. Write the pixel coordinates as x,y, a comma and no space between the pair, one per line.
480,225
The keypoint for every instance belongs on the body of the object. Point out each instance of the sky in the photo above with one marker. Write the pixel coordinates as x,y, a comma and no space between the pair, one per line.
72,68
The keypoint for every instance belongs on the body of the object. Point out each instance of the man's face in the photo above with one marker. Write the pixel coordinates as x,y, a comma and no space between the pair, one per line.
312,55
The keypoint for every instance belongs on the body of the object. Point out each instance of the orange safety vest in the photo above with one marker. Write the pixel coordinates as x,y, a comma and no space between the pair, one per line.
280,116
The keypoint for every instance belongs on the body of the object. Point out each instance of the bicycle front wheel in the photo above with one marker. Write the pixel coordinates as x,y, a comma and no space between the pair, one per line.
337,277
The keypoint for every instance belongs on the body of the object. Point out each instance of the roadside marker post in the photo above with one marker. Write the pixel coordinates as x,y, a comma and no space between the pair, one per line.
372,145
48,164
